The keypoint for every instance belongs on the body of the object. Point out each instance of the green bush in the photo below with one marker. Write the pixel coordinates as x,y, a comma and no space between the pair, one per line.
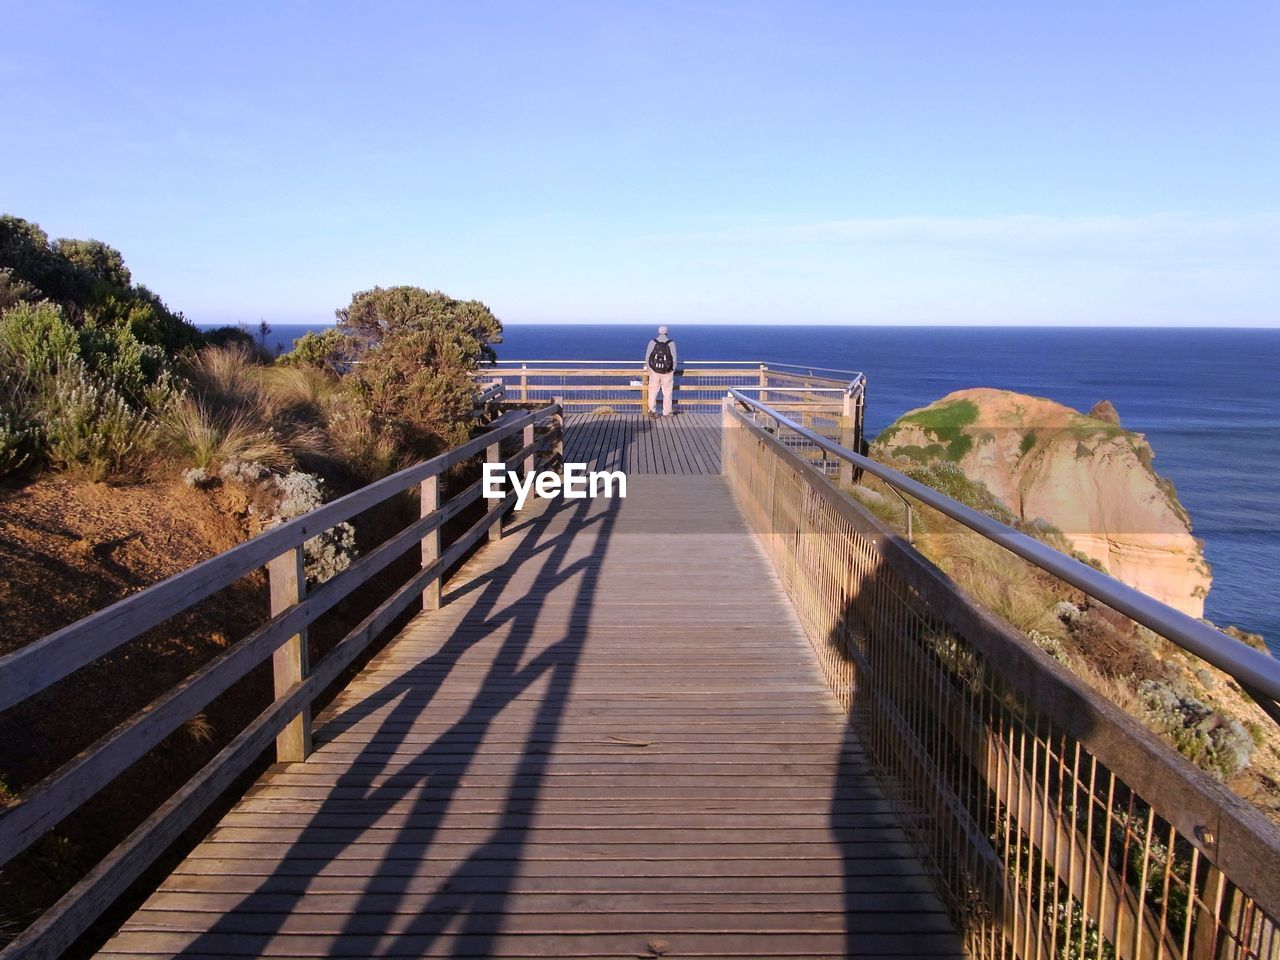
77,400
14,444
36,341
416,351
331,350
90,429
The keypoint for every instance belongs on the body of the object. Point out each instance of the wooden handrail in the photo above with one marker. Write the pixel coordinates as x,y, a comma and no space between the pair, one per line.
55,797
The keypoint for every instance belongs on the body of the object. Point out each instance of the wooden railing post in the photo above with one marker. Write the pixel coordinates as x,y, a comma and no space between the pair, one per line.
492,455
644,391
289,661
726,424
764,382
429,502
524,383
847,414
557,445
530,462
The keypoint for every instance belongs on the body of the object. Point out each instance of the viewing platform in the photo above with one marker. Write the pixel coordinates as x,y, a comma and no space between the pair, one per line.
729,715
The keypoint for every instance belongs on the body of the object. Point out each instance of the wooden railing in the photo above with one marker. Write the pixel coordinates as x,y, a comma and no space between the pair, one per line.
283,639
1056,825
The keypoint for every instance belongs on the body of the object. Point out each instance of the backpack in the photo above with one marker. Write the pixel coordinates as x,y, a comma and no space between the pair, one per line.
660,357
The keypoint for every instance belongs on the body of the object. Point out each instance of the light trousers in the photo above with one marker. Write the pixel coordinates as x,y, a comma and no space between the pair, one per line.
664,383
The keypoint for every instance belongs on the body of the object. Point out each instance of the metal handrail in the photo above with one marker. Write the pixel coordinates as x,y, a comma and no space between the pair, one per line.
1255,671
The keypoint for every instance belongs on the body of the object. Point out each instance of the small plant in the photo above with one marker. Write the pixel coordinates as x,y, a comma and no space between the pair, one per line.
199,728
296,494
14,442
1218,745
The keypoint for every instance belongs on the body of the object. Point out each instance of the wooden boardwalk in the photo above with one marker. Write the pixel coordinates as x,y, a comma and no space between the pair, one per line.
612,741
687,443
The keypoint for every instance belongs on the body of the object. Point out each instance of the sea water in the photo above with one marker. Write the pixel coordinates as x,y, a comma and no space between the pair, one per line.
1208,401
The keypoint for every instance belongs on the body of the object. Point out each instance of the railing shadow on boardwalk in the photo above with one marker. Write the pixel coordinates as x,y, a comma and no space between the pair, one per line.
850,797
468,902
915,693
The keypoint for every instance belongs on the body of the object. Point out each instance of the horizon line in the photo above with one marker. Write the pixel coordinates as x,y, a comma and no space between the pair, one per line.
204,324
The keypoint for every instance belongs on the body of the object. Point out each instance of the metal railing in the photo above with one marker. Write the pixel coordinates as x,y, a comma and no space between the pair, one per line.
827,401
1055,824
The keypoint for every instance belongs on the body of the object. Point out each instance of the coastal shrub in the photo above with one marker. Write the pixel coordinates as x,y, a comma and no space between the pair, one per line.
91,430
330,350
77,399
295,494
14,441
1215,743
13,290
416,350
89,281
947,478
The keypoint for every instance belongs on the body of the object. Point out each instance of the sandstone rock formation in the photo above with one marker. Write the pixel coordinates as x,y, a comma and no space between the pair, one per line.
1087,476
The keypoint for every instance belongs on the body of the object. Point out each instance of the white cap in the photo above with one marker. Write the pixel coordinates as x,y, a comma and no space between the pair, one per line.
662,330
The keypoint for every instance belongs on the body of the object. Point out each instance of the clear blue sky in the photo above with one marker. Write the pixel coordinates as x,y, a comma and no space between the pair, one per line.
850,162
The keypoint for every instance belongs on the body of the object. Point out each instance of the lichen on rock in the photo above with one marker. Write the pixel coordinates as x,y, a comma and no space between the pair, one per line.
272,499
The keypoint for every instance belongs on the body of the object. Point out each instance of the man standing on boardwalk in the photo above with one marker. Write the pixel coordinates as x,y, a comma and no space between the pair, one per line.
660,365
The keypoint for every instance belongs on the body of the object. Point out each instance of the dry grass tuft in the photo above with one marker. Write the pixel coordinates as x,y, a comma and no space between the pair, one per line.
199,728
1002,583
208,439
229,379
302,389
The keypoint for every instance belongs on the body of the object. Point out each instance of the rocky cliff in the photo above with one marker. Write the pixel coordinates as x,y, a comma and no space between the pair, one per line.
1084,474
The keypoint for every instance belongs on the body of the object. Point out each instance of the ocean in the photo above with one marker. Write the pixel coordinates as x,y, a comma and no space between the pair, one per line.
1207,400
